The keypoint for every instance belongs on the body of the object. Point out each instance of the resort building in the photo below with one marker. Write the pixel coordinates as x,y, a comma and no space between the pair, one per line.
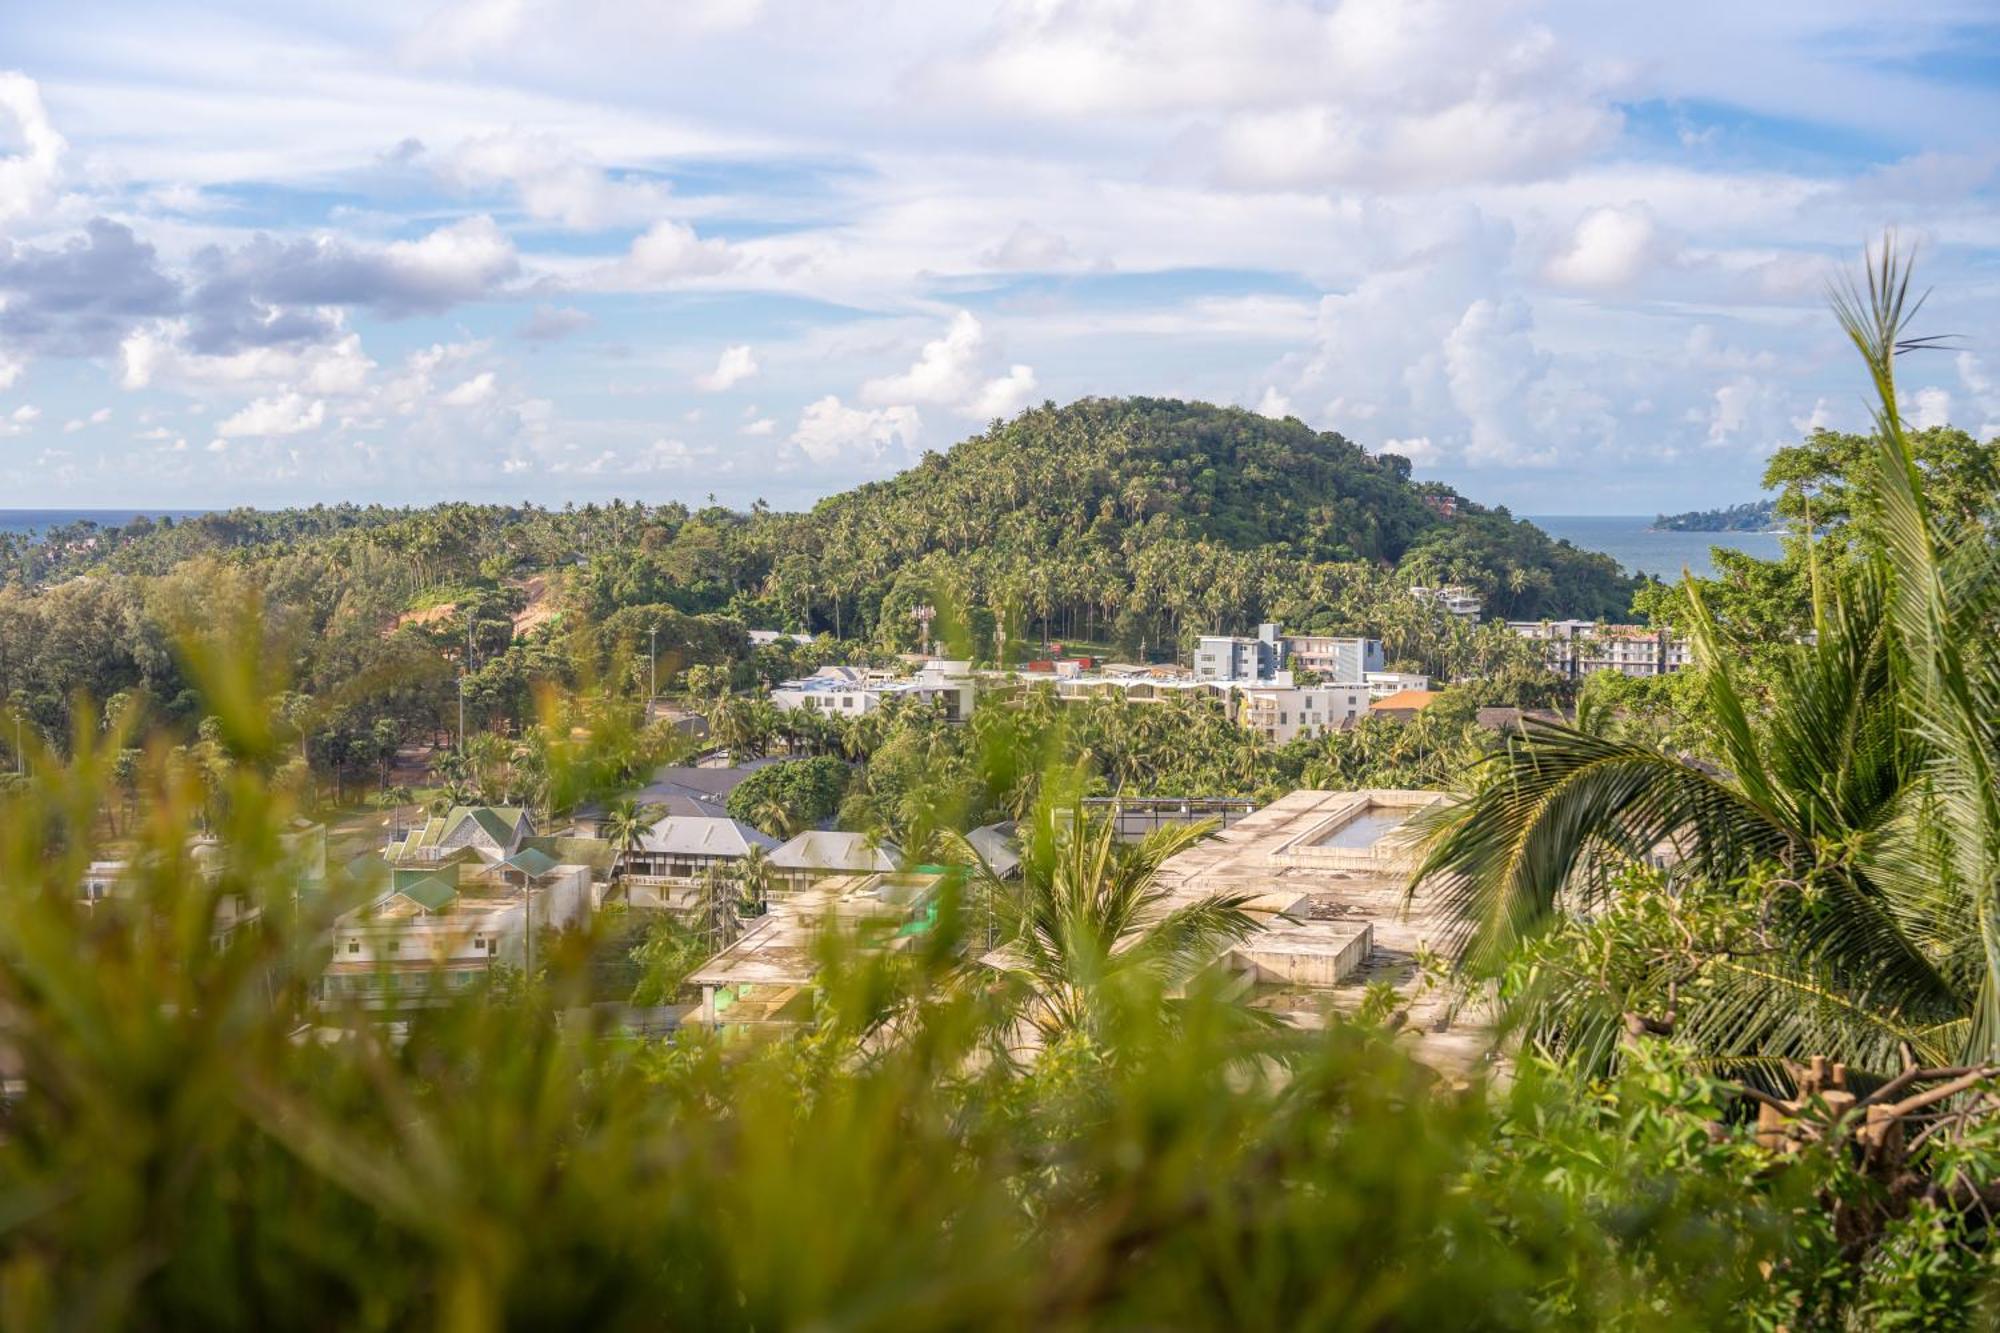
1281,715
493,832
434,930
1578,648
1383,683
684,847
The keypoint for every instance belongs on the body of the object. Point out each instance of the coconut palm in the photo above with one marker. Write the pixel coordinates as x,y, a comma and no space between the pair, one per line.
1856,809
1088,916
626,825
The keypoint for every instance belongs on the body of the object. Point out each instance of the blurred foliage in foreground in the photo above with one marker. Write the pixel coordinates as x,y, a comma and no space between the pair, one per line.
186,1142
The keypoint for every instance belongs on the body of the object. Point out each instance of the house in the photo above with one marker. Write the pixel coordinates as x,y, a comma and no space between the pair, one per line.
845,691
492,832
1339,659
767,980
1406,704
435,930
1219,657
1455,600
1282,715
818,853
1578,648
684,847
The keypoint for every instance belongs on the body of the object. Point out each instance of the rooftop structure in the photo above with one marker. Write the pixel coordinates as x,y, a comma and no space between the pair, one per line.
998,848
1454,598
846,691
493,832
767,979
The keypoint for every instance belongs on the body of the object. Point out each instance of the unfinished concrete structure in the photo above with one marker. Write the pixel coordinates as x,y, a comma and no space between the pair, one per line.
1325,874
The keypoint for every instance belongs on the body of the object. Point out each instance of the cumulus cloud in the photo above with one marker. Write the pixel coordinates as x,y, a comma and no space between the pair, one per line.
759,426
736,364
97,418
829,431
288,414
1609,248
666,253
27,178
553,181
1273,404
471,393
1491,364
1932,407
952,371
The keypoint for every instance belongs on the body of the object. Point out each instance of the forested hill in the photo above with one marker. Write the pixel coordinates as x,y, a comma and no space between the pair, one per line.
1241,511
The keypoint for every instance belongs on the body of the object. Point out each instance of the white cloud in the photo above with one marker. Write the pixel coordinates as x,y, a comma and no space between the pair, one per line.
1932,407
1491,365
666,253
760,426
25,413
10,371
1029,247
97,418
471,393
458,262
289,414
951,371
1273,404
1609,248
831,432
735,365
553,181
27,178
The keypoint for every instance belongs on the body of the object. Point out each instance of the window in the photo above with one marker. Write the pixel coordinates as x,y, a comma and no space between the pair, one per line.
395,946
354,946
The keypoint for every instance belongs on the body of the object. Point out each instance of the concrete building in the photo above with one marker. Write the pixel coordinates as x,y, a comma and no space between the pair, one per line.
1578,648
1383,683
1326,875
845,691
1283,714
1219,657
1341,660
435,930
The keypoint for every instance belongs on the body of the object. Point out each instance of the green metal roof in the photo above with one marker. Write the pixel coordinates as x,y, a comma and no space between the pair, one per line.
498,821
432,892
531,861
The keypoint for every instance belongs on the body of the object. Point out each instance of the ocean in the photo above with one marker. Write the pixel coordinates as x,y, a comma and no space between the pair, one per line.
1630,540
38,520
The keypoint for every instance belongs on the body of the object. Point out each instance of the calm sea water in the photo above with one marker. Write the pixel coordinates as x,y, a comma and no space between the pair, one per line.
1629,539
40,520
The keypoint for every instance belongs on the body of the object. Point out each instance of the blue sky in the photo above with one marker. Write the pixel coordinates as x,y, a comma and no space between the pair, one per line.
1567,256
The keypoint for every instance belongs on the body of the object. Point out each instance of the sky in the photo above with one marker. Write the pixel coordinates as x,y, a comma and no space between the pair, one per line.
1567,256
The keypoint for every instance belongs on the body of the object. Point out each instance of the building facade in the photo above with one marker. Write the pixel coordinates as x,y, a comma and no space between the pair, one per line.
1224,657
1578,648
844,691
1342,660
1283,714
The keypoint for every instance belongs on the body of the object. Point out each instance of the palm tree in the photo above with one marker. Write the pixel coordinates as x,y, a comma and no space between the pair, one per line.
1089,918
1856,811
626,825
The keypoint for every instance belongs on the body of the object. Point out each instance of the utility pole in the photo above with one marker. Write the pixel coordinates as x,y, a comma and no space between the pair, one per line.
652,668
461,713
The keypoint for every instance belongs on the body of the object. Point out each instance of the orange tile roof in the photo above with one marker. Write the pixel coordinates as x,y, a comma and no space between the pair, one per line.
1404,701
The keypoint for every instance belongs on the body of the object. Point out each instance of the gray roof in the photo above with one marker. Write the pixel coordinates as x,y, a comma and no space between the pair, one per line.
819,849
698,836
996,843
701,784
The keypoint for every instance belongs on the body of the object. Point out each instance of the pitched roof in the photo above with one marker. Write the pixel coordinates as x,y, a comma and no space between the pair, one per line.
820,849
1405,701
597,853
499,822
701,836
702,784
531,861
433,890
996,843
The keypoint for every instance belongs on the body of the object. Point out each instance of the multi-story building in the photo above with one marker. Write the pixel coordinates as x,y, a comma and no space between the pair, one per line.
1340,659
845,691
1577,648
1224,657
434,930
1455,599
1381,684
1282,714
